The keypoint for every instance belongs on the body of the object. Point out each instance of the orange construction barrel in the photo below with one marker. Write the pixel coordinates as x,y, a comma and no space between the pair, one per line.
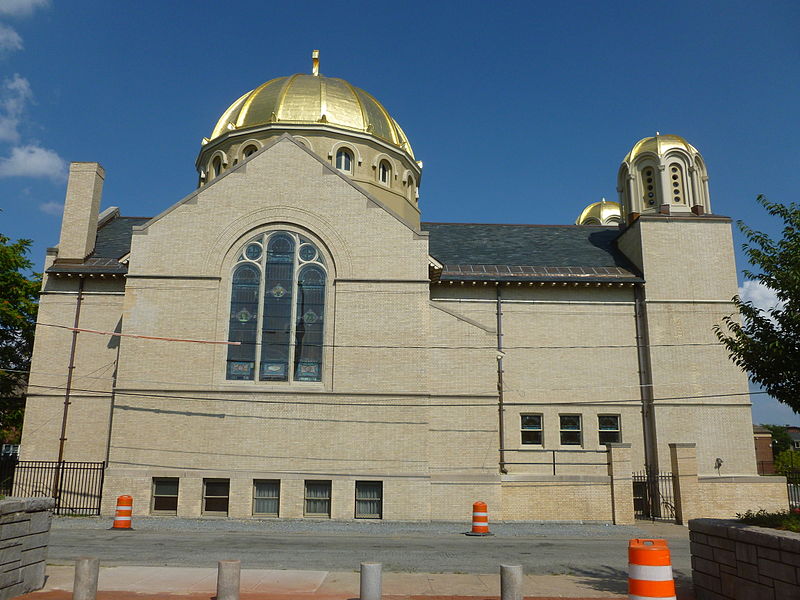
480,519
122,519
650,571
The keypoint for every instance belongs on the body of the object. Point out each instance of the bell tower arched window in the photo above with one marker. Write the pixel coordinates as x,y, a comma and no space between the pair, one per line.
277,310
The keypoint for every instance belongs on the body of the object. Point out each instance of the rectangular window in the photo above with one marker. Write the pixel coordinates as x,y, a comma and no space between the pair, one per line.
165,495
531,426
369,499
266,497
215,496
570,430
608,426
318,498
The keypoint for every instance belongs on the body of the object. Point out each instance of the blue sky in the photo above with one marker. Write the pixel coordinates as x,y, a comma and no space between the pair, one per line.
521,111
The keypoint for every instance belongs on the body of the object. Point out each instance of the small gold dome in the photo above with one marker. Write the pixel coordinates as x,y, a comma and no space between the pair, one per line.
604,212
313,99
659,145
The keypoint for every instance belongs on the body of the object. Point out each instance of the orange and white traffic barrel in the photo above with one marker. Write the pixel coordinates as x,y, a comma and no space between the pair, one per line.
650,571
122,519
480,519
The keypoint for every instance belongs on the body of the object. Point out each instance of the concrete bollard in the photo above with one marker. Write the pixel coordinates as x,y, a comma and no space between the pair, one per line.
87,570
511,582
370,581
228,579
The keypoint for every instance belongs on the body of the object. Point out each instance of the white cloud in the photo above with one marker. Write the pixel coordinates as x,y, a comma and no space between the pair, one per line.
21,8
14,94
33,161
759,294
52,208
10,40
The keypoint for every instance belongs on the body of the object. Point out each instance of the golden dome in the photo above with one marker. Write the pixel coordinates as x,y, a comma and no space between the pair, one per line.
604,212
312,99
659,145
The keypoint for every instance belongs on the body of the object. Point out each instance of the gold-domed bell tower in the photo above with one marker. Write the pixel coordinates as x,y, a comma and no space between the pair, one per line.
342,124
663,174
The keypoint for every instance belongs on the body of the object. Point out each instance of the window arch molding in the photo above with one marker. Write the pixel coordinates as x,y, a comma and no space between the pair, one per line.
217,163
344,146
376,162
245,146
279,297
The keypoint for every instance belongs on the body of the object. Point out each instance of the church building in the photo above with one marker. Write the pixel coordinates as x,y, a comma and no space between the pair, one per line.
293,340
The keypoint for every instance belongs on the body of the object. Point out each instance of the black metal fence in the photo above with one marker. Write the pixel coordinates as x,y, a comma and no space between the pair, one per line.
560,462
653,496
76,487
793,488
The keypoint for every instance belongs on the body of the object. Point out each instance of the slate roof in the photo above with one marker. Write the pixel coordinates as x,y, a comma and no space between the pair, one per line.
112,243
467,251
568,253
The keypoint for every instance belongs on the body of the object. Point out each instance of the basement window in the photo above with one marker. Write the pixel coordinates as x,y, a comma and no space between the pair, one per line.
216,493
369,499
318,499
266,497
165,495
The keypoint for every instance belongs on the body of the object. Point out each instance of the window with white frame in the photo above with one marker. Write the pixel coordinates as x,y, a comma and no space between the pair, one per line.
385,172
266,497
344,160
277,310
570,430
531,429
369,499
609,429
317,498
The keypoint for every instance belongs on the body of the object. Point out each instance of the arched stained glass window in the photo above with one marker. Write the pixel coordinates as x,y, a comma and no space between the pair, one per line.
277,310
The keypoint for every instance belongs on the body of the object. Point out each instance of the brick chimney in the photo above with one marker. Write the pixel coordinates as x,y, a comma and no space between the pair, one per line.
81,208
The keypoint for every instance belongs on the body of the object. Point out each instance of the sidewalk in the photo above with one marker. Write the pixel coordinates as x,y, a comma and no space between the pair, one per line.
189,583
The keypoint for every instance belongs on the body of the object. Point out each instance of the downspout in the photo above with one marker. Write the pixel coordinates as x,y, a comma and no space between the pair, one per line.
645,378
500,355
113,396
67,394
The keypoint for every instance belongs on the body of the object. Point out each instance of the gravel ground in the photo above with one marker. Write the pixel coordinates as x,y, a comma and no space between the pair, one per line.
544,529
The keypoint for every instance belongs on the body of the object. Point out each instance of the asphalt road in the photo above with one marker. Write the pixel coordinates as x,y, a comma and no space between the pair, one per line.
436,553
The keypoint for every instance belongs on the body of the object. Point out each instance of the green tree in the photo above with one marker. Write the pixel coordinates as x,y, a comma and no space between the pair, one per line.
780,439
19,294
767,343
787,461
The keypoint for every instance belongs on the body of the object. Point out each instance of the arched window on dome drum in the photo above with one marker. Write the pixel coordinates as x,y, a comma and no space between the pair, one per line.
411,189
249,150
344,160
216,166
650,185
283,336
385,172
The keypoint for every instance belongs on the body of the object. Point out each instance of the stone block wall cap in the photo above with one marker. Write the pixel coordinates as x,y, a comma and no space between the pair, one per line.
12,505
682,445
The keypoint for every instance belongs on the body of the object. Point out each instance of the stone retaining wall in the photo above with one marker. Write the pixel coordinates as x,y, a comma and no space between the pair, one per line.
731,560
24,535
